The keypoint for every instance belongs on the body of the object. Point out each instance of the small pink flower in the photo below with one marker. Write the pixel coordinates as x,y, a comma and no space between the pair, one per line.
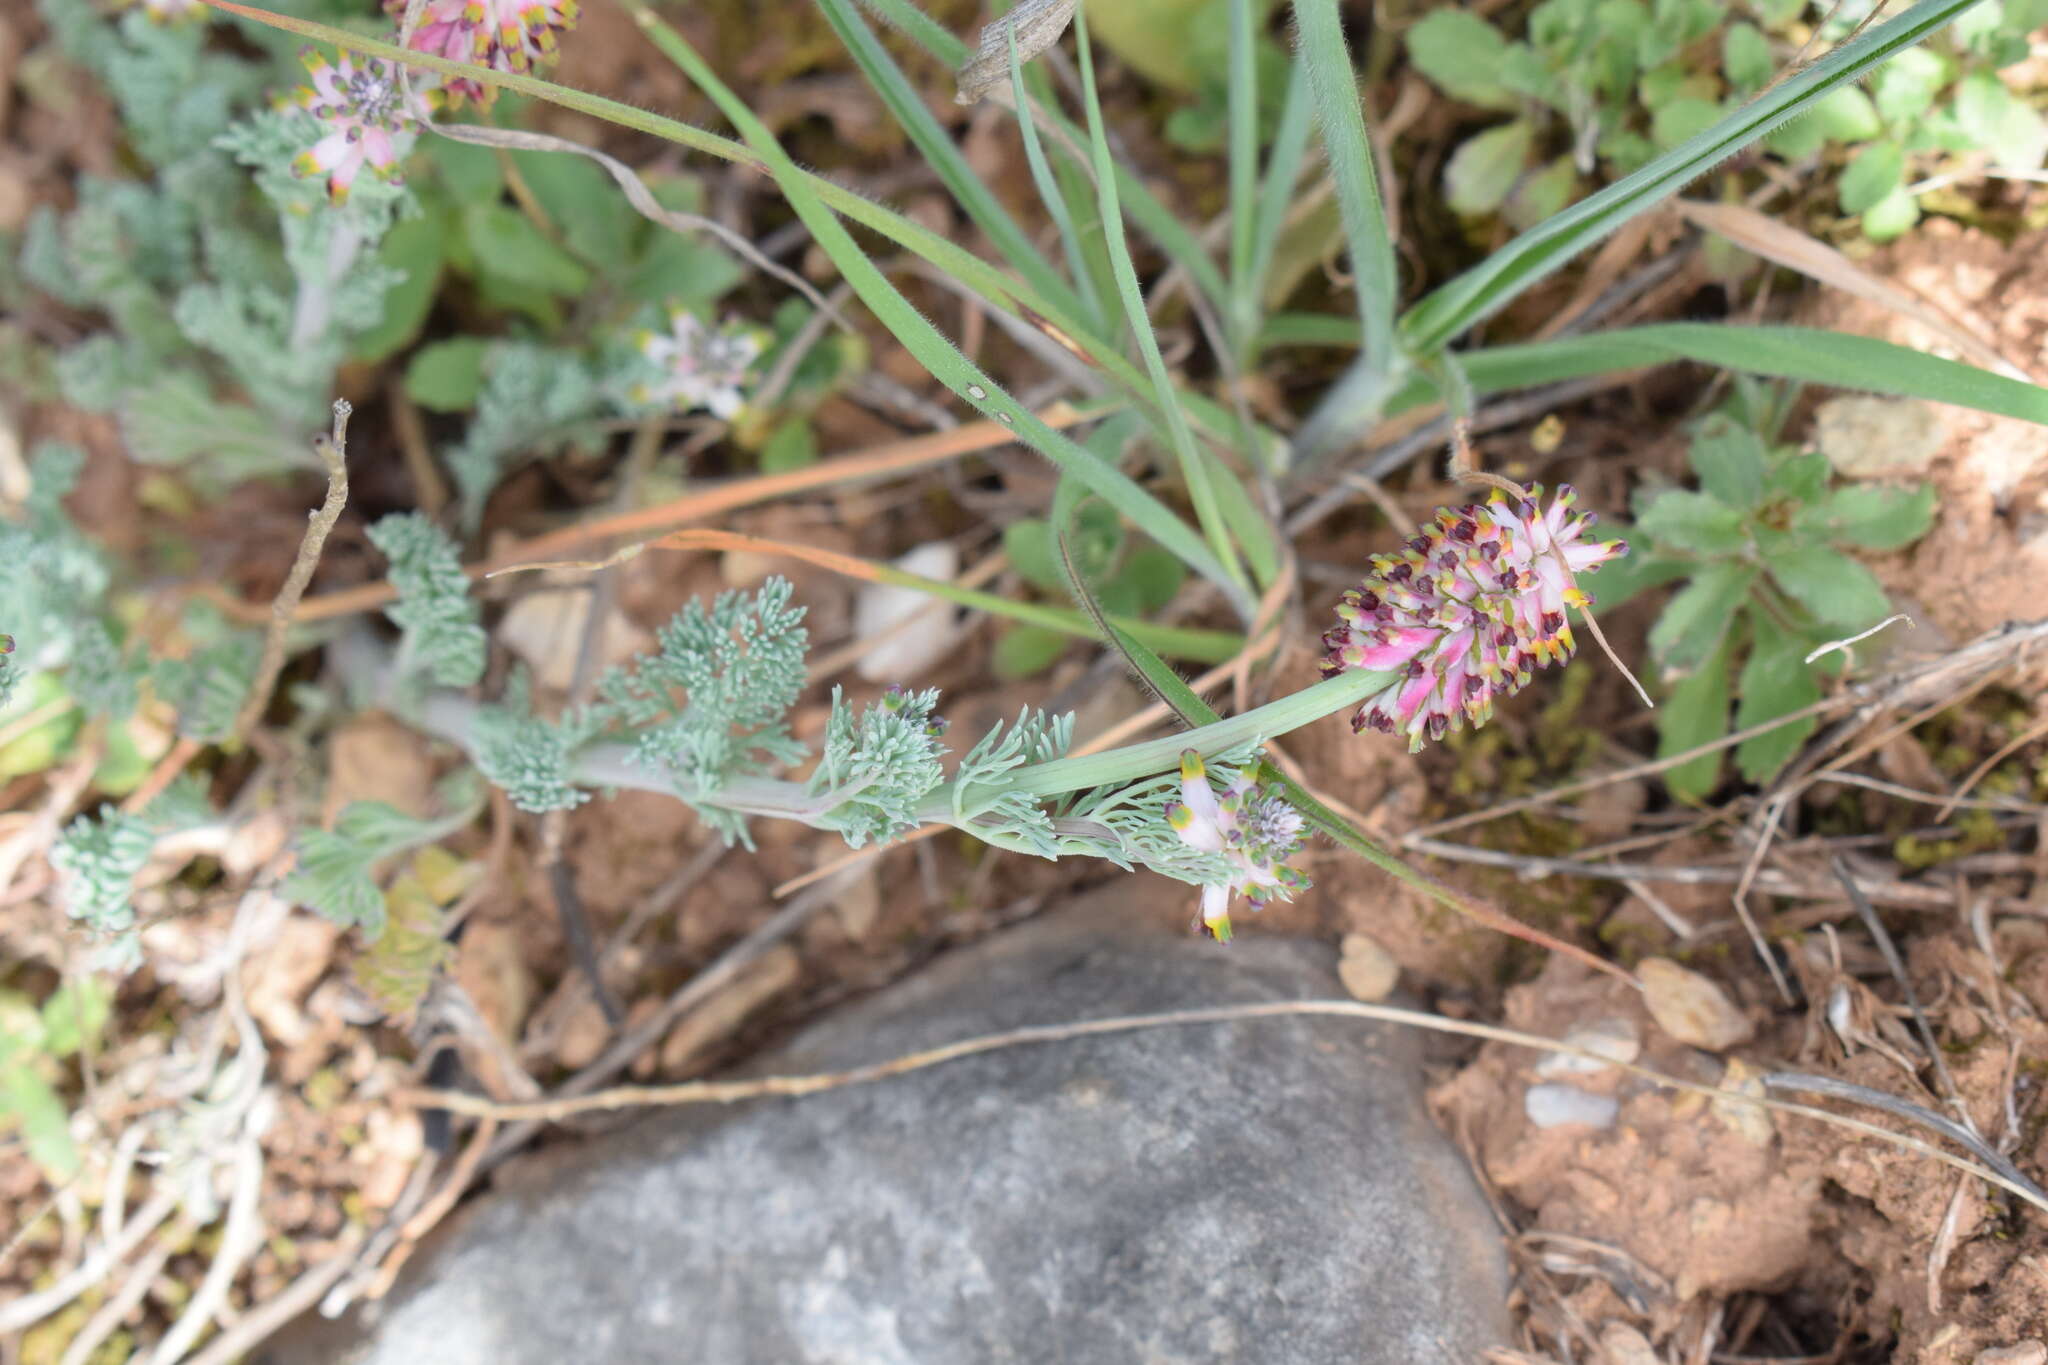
1254,830
699,367
505,35
1467,613
362,109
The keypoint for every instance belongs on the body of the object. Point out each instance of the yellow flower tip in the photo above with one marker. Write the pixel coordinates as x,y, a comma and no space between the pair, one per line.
1576,597
1179,817
1191,766
1217,928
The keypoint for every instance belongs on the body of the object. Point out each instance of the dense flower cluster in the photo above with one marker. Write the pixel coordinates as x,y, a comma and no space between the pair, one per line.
362,107
505,35
699,366
1255,830
1467,612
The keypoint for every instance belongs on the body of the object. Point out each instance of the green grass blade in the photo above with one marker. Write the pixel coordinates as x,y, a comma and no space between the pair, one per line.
1452,309
1808,354
1000,291
1053,195
1276,193
927,32
1244,176
914,116
1196,646
1194,469
1151,216
1309,329
1322,51
932,350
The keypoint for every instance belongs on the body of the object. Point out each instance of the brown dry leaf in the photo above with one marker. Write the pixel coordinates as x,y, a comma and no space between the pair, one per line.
1621,1344
546,630
776,971
490,965
374,758
1691,1008
277,975
1788,246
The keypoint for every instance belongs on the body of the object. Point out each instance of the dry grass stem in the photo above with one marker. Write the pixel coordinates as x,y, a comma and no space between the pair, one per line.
732,1092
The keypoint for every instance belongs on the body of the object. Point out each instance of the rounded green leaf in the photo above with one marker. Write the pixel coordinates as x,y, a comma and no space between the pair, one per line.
1461,54
1698,522
1696,622
1870,517
1746,57
1486,167
2001,123
447,375
1835,588
1776,681
1846,115
1034,554
1891,216
1695,713
1683,118
1877,170
1027,651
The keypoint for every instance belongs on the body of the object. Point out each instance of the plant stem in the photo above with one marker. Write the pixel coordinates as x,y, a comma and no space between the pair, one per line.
1134,761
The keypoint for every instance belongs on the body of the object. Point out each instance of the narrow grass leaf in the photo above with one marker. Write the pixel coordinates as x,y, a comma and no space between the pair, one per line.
914,116
1195,470
1276,194
1243,100
1053,195
1327,58
924,341
1808,354
1455,307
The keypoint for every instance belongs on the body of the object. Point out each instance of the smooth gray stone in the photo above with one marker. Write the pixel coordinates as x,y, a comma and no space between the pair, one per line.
1269,1190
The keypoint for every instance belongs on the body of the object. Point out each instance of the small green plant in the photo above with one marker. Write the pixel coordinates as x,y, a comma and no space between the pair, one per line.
1764,547
34,1043
1599,87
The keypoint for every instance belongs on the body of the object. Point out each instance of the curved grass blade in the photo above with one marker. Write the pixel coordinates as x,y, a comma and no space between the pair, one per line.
1809,354
1243,100
1276,193
1194,469
1018,298
1453,308
1053,195
924,341
914,116
1326,57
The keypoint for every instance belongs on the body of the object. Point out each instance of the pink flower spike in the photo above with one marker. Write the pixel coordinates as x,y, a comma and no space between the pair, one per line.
505,35
1469,609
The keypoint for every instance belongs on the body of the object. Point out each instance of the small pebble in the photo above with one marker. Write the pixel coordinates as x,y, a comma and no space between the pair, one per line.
1614,1039
2023,1353
1367,970
1867,437
1554,1106
917,648
1691,1008
1752,1122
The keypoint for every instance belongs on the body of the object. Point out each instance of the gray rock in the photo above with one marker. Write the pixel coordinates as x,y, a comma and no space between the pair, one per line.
1269,1190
